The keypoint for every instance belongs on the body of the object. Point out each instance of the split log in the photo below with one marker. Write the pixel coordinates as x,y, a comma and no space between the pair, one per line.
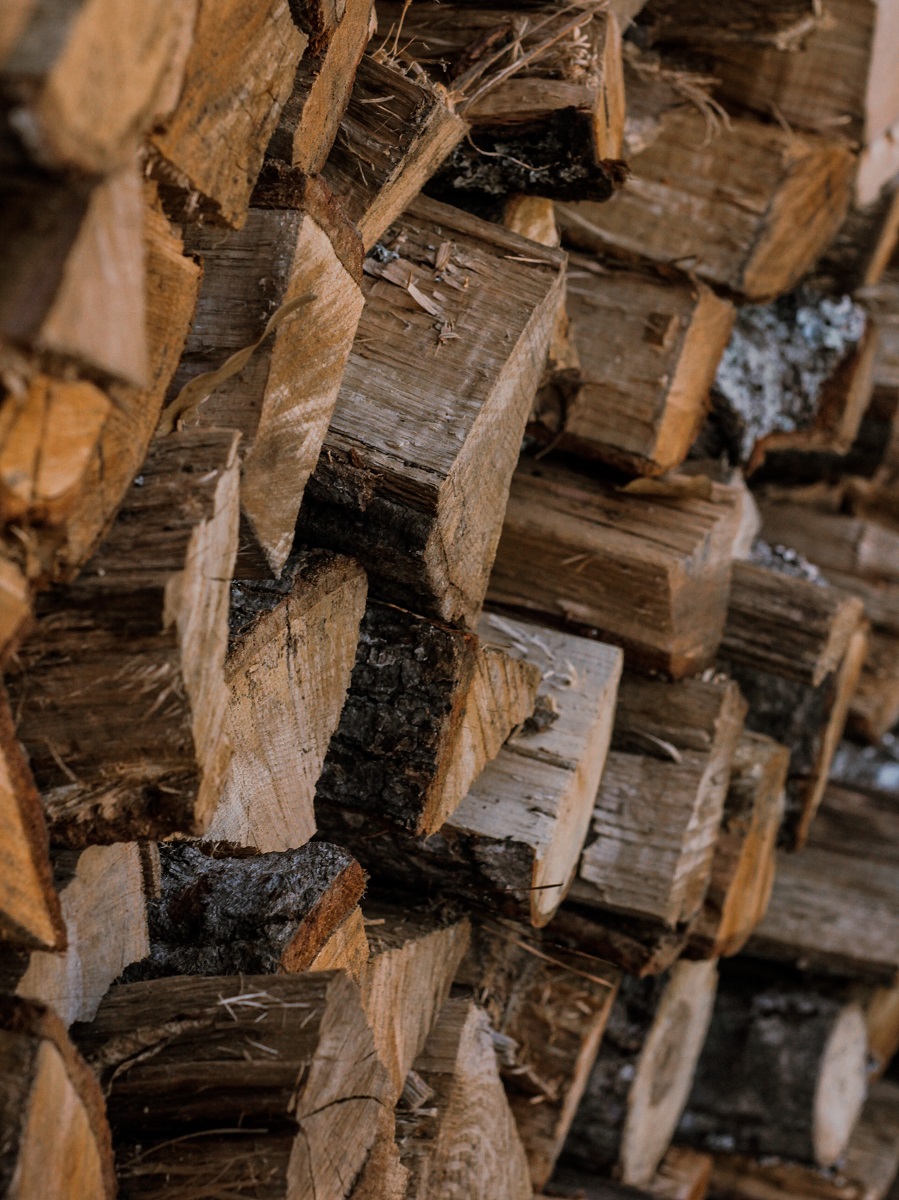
30,914
208,152
682,1175
650,572
292,648
266,1079
459,1140
658,811
414,955
416,465
304,132
298,257
776,202
120,693
648,343
462,697
74,269
549,1009
747,22
92,884
346,949
83,84
793,1053
56,1141
882,1024
874,709
643,1074
257,914
15,606
866,1172
861,251
638,945
534,217
514,840
743,866
397,130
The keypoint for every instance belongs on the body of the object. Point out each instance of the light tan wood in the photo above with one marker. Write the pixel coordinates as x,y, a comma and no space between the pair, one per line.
283,400
293,646
786,196
92,884
882,1021
15,606
648,342
533,217
743,866
465,1142
209,150
119,693
346,949
417,461
659,807
874,708
650,572
682,1175
56,1142
397,130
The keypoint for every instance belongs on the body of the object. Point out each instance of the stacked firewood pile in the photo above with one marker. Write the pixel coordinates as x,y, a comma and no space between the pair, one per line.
449,599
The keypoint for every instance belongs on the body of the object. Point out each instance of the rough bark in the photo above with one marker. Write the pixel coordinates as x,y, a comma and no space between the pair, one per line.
747,22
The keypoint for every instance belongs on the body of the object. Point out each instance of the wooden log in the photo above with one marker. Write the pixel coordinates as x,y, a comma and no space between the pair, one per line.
882,1023
682,1175
82,85
56,1141
208,152
549,1009
464,1143
257,914
92,884
298,251
74,270
658,810
874,708
462,697
793,1053
305,1088
643,1074
777,183
638,945
861,251
416,464
30,914
748,22
648,343
346,949
15,606
291,652
648,572
397,130
866,1172
120,693
414,955
743,866
304,131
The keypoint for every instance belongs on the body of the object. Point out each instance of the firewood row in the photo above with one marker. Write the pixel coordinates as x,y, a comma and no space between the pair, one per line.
449,600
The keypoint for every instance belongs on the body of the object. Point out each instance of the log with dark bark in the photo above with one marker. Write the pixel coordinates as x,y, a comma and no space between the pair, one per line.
648,342
461,696
793,1053
397,130
415,457
743,866
292,649
643,1074
747,22
640,946
650,572
120,693
287,1059
290,279
56,1141
659,807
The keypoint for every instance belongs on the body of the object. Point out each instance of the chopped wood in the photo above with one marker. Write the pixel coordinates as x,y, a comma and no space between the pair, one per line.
346,949
648,343
748,22
743,866
464,1142
642,1077
640,946
533,217
299,258
874,708
862,249
793,1053
56,1141
649,572
119,693
749,210
397,130
659,807
682,1175
288,1059
292,648
208,152
417,454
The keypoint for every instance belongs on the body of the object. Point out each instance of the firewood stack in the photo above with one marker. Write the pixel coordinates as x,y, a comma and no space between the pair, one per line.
449,600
